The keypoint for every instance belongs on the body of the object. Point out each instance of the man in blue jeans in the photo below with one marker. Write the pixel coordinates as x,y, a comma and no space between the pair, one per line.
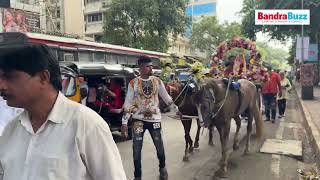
143,103
270,90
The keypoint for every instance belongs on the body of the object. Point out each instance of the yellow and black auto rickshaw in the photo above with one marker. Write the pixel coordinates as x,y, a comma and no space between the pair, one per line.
89,83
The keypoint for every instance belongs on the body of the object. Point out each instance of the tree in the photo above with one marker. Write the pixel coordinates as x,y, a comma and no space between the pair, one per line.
278,58
280,32
145,24
208,33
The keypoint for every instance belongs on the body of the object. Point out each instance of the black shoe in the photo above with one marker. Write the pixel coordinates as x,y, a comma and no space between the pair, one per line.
273,120
163,174
267,120
137,178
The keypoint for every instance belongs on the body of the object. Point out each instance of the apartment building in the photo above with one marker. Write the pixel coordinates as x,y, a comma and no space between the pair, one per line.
21,15
94,17
46,16
197,9
65,16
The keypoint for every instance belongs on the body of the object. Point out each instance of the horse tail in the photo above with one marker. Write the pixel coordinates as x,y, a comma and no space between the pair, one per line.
258,116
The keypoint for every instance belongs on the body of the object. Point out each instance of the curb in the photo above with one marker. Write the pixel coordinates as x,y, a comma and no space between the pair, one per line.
311,128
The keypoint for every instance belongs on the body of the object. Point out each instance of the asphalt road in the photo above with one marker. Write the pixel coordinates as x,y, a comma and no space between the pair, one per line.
173,136
203,162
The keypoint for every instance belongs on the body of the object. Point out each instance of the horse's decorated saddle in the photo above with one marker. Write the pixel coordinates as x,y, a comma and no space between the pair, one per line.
234,84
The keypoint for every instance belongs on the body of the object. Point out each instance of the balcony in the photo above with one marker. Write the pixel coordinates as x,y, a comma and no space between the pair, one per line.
94,28
96,6
26,7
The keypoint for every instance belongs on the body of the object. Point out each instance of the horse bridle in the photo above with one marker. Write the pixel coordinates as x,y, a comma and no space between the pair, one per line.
213,114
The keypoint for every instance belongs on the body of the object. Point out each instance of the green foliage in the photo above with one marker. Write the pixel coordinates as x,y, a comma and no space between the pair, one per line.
236,51
208,33
145,24
275,56
280,32
292,54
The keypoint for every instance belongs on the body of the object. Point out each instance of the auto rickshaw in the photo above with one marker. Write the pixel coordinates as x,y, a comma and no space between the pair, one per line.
88,83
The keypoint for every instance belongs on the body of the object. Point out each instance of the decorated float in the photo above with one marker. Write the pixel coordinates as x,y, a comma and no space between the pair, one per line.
238,58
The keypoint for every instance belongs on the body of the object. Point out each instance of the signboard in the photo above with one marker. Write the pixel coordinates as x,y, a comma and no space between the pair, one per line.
282,17
307,72
20,21
305,48
5,3
201,9
313,52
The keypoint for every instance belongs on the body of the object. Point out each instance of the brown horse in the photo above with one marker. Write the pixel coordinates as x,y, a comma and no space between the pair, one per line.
217,105
186,105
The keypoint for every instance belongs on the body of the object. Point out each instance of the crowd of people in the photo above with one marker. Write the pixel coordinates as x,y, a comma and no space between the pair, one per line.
50,132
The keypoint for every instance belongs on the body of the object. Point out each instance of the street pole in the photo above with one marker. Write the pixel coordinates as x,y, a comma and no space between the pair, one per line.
306,91
302,34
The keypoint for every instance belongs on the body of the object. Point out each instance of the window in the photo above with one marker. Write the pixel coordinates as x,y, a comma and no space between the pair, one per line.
85,56
92,1
27,1
68,57
94,17
122,60
98,57
111,59
132,60
58,26
98,38
54,52
68,85
58,13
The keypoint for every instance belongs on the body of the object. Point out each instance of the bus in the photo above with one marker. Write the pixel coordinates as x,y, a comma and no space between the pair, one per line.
77,50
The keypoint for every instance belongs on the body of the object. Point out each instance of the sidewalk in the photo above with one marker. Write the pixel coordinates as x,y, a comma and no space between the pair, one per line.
311,111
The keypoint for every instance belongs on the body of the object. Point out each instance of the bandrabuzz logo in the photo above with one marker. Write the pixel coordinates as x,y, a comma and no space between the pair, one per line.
282,17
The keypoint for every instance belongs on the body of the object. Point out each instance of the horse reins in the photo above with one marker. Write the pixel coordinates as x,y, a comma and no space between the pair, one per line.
174,101
212,114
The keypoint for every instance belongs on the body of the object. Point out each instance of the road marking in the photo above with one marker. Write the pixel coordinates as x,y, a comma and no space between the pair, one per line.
279,132
295,133
275,159
275,166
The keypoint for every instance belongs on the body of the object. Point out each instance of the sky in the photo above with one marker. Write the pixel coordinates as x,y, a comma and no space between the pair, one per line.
227,10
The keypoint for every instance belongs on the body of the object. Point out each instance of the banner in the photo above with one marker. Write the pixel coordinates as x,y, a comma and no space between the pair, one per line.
313,52
282,17
306,41
20,21
307,74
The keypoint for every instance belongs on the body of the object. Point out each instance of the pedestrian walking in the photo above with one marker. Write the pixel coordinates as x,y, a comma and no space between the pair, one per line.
270,89
143,103
285,88
54,138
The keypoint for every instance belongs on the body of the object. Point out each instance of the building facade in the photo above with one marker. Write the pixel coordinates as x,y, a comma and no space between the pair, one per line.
22,15
56,17
65,16
197,9
94,11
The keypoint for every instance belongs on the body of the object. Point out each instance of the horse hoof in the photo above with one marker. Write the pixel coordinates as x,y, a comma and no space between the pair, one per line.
185,159
210,143
235,146
191,150
221,173
246,152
